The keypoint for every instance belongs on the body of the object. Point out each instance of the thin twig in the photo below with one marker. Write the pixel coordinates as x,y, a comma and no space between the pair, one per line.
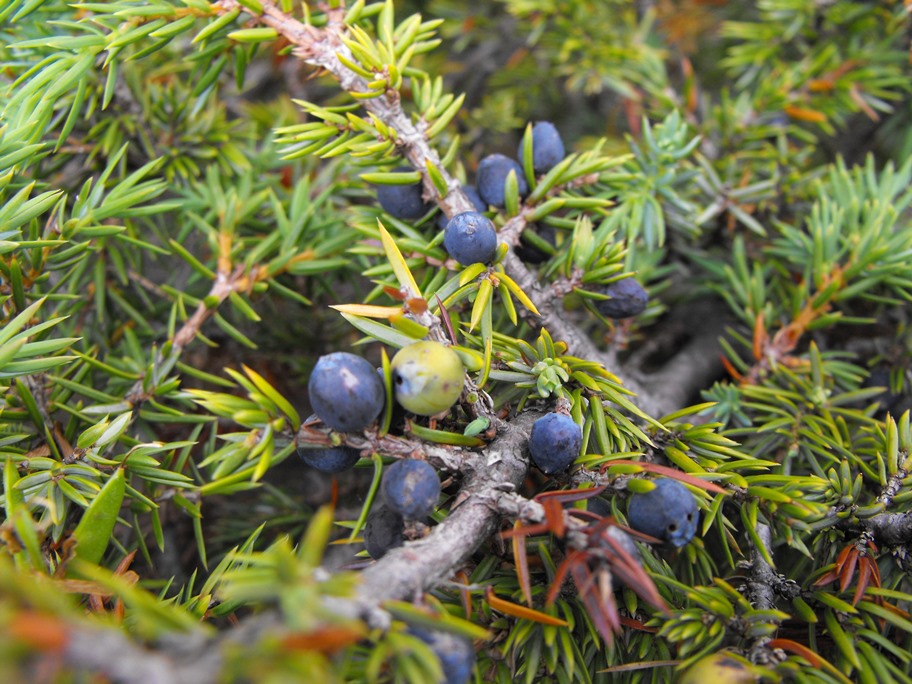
891,529
225,284
762,578
451,458
763,586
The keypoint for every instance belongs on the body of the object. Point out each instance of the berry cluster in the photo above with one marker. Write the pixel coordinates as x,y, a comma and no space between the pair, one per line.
408,491
347,394
470,237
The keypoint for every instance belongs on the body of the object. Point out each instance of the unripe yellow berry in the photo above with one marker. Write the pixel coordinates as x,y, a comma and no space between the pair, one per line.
721,668
427,377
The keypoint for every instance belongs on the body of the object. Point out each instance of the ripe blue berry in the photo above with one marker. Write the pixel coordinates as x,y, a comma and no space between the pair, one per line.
628,298
668,512
403,201
456,654
470,238
492,175
332,460
474,198
383,531
345,391
555,442
427,377
547,147
410,488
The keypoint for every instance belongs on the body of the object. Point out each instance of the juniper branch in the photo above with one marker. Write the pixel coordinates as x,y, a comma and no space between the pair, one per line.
762,578
892,529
